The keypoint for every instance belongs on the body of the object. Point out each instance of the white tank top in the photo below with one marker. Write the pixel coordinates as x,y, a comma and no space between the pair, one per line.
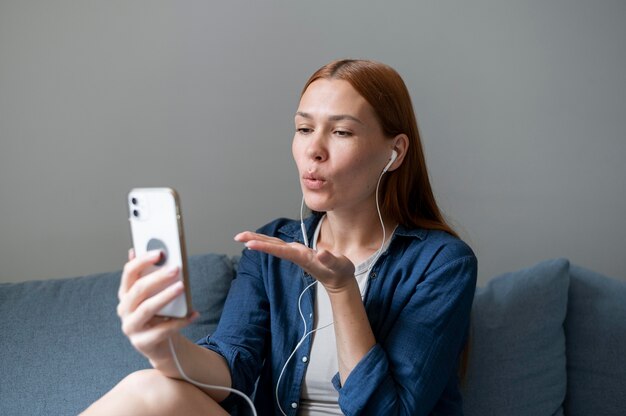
319,396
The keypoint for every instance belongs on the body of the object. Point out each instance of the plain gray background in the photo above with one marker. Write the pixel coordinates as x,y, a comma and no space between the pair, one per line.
521,105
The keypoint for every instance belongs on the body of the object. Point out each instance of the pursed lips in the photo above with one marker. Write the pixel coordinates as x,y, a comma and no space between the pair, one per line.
313,181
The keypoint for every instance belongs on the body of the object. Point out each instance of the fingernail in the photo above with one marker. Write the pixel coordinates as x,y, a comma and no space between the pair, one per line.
172,271
154,254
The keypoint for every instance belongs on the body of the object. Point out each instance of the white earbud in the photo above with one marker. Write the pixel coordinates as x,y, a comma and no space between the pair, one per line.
394,156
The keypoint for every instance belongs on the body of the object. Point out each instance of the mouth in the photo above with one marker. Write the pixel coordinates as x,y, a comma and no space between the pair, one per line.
313,182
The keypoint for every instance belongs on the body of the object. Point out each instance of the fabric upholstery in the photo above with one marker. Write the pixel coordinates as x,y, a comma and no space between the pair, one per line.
595,329
517,346
61,346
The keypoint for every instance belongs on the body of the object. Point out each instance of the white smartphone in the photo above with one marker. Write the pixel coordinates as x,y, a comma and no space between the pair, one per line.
156,223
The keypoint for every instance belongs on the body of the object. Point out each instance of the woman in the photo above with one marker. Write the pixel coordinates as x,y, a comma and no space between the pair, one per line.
387,288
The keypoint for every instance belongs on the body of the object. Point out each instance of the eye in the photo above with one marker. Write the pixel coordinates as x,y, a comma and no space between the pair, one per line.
304,130
343,133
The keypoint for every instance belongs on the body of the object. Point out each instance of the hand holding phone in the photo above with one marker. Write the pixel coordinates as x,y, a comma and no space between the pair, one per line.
156,224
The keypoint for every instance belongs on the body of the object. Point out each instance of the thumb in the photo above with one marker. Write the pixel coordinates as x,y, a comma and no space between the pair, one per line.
327,258
340,264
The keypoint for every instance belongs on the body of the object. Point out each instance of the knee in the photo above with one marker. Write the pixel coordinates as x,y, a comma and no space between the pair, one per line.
156,393
148,385
142,378
136,394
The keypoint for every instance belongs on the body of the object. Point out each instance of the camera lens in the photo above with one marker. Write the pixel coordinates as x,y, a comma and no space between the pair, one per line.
136,213
133,201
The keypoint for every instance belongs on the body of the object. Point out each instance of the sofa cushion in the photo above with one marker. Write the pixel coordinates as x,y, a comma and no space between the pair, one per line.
596,345
62,347
517,363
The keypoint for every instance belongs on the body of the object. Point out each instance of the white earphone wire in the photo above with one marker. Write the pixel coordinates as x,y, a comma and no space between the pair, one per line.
302,228
305,334
369,269
207,386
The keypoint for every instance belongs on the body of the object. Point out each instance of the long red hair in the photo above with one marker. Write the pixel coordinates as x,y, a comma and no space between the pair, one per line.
407,196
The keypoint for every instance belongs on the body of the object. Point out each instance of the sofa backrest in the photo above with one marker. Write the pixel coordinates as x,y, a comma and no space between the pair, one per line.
542,337
61,345
517,362
595,330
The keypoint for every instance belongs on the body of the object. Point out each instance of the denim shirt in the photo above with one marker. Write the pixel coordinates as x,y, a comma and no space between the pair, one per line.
418,302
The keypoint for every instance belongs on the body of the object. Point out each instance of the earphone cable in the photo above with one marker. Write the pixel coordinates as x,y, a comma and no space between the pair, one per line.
306,242
207,386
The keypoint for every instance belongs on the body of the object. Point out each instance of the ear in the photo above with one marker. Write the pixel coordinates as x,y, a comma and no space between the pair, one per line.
401,145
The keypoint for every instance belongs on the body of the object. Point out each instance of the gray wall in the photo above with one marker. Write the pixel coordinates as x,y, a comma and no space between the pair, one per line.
522,107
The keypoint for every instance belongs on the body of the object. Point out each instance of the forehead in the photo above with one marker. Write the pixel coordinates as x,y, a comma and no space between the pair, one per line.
328,97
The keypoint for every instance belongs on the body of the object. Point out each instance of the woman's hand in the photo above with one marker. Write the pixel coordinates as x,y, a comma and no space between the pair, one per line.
336,273
352,328
141,298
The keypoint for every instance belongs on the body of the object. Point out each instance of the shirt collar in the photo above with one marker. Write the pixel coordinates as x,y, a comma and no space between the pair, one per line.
419,233
292,229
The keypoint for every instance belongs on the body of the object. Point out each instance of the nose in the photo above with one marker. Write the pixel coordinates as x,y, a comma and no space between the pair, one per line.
316,149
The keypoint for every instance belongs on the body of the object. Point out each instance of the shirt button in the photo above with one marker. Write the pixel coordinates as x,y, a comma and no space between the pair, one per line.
305,359
294,405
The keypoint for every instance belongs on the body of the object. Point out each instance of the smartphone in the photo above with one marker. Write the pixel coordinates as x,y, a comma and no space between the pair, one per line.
156,223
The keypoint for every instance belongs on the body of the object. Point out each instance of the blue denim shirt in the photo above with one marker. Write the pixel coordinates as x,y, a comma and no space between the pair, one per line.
418,303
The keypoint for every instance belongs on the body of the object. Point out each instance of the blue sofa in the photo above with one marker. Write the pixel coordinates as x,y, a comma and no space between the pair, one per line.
546,340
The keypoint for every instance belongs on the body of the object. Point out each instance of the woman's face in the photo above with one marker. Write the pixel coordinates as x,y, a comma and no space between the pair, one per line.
339,147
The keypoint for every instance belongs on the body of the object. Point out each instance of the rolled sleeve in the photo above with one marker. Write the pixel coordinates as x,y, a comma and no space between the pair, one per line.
242,333
366,379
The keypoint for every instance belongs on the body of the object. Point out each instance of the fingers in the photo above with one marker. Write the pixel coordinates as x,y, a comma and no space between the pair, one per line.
294,252
137,320
160,331
142,295
247,236
134,267
147,287
261,240
330,270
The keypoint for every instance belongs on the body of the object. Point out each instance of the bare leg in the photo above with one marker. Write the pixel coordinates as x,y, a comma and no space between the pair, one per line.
148,392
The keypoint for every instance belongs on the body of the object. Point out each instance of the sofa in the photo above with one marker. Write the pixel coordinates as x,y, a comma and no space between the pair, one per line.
546,340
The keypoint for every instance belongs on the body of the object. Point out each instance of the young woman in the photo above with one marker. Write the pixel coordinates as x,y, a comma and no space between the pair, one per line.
363,308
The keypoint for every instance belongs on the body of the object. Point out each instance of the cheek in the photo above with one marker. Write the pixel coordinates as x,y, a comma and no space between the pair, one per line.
294,149
297,153
356,170
365,170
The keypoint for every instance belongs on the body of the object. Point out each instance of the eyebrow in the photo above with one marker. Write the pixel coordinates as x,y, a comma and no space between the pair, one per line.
337,117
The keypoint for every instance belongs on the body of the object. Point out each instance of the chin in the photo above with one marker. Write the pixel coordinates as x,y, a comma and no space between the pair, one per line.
314,204
319,208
